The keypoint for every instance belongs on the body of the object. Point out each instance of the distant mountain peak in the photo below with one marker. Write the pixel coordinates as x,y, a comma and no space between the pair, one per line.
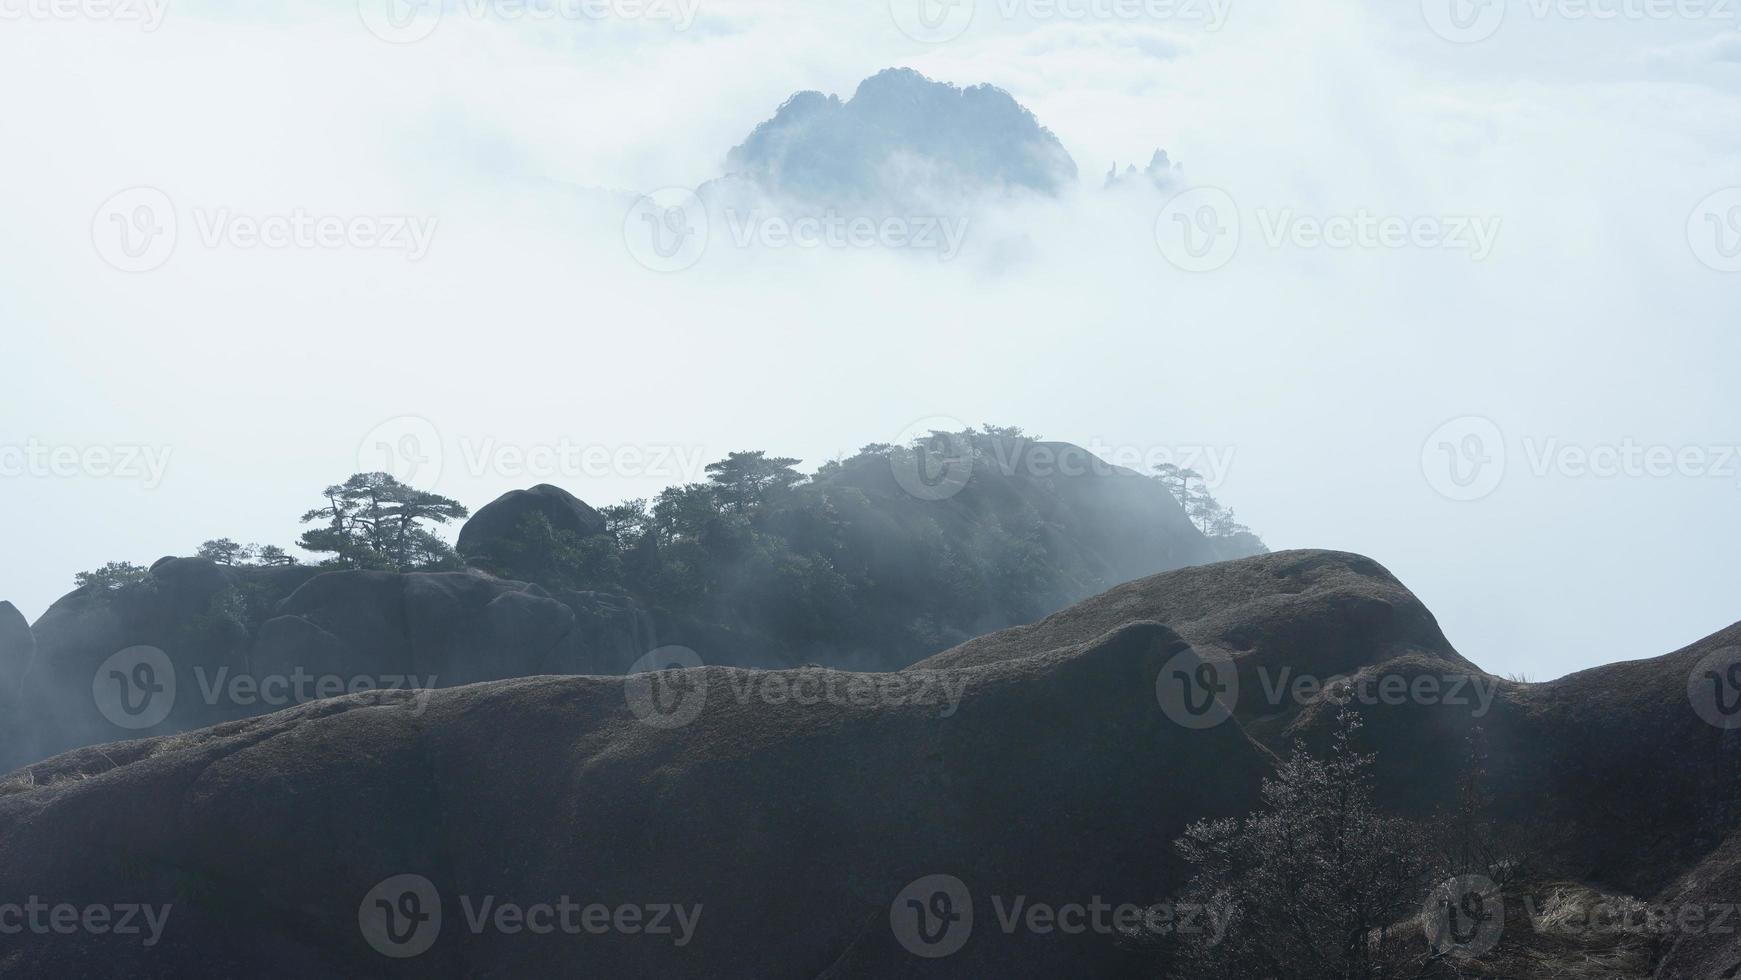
1162,172
903,136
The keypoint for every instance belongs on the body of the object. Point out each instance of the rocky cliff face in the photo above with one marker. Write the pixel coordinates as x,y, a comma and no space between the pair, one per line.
199,643
490,534
786,825
804,811
17,648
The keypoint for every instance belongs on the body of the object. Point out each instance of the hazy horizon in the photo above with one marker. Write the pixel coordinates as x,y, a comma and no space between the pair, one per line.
1549,294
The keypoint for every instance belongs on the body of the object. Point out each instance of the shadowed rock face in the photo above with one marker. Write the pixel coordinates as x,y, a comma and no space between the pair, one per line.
1632,789
299,628
1279,618
17,646
1323,611
795,817
1618,750
792,825
499,521
219,626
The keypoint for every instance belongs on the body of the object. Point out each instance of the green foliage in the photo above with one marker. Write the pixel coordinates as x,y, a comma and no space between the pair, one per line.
113,577
1188,488
844,564
1310,885
374,521
224,625
224,551
762,559
745,480
559,559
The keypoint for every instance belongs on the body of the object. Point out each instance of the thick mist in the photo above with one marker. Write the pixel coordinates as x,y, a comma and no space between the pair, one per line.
1448,254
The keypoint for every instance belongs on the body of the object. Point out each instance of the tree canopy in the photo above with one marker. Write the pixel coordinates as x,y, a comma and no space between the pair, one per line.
374,521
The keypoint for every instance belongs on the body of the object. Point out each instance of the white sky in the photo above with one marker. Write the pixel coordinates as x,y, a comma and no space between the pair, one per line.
1321,372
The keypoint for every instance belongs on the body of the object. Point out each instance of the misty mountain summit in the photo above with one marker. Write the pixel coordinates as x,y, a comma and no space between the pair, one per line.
1161,172
903,137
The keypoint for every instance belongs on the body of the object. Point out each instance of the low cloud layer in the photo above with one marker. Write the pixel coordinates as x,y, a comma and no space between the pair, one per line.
1312,313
